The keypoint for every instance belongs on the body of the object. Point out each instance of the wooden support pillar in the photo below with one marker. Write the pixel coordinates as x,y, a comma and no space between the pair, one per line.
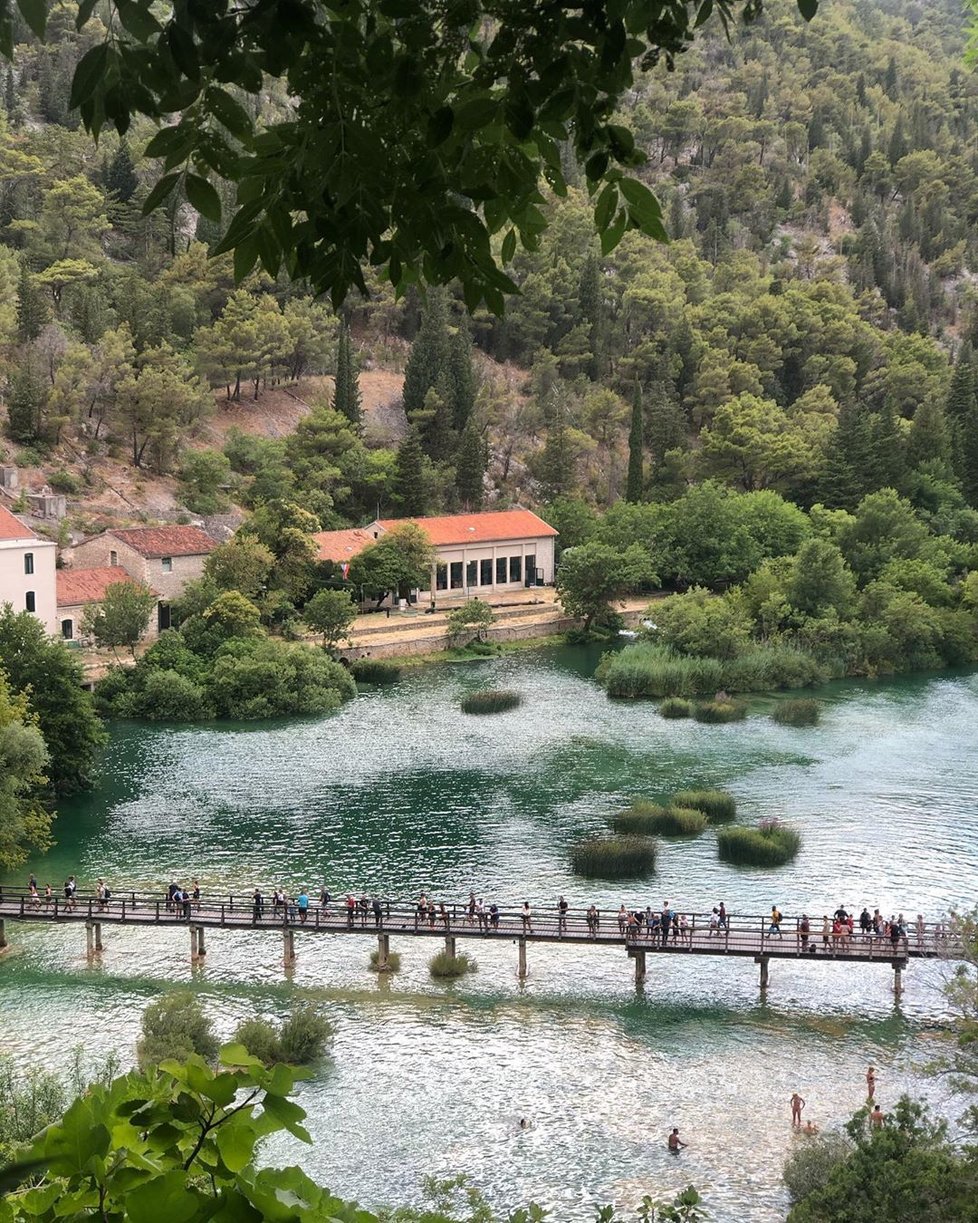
201,949
763,961
450,946
98,936
383,952
522,969
197,947
93,937
289,935
638,955
897,979
3,934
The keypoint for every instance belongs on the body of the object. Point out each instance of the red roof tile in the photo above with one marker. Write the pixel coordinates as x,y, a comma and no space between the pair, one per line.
166,541
477,528
339,546
77,586
13,528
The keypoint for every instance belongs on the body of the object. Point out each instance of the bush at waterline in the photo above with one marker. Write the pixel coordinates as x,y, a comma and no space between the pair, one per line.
771,843
797,713
648,819
375,671
676,707
446,965
717,805
614,857
720,711
491,700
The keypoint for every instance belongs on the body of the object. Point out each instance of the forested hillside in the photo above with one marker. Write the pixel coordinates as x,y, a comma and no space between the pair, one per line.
808,329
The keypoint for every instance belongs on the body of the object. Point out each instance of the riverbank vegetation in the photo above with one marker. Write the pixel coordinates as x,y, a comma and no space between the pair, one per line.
299,1040
491,700
771,843
721,709
675,707
614,857
799,712
649,820
376,671
718,806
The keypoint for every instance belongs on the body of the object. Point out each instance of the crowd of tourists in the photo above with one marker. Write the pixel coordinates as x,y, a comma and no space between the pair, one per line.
833,934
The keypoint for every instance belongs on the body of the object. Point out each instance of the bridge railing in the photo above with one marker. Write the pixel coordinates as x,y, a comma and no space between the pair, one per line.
735,932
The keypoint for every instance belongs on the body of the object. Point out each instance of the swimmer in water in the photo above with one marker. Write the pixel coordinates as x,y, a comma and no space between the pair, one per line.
675,1142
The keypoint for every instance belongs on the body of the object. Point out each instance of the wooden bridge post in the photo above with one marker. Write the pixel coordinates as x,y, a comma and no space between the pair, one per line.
522,968
289,936
450,946
197,948
638,954
383,952
93,937
897,978
763,961
3,934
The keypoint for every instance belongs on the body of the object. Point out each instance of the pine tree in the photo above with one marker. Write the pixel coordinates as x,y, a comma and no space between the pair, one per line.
888,465
32,310
591,310
120,177
438,440
890,78
928,440
968,461
346,392
470,467
842,482
636,449
429,353
10,97
407,477
897,148
961,392
461,376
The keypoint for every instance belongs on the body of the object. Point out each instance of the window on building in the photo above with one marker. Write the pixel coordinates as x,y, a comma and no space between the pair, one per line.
113,557
500,570
30,602
28,562
67,629
485,572
167,563
471,573
531,570
456,575
516,569
441,577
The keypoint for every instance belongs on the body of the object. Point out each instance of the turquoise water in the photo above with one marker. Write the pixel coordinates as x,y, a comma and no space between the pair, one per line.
399,793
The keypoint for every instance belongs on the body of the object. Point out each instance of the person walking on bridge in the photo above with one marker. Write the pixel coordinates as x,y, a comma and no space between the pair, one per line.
525,917
257,906
774,926
562,907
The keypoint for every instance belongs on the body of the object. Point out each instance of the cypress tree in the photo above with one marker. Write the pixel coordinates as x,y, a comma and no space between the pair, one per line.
897,147
888,464
429,353
842,482
120,176
969,457
407,478
10,97
636,449
25,403
461,377
470,467
32,310
437,436
346,392
928,440
591,308
961,391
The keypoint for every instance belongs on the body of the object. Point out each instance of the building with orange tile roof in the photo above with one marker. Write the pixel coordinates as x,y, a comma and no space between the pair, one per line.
78,588
27,570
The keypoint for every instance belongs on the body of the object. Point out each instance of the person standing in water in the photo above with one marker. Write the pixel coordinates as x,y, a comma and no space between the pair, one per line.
797,1104
870,1083
675,1142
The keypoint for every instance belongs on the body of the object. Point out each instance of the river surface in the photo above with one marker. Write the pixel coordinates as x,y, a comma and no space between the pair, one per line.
399,792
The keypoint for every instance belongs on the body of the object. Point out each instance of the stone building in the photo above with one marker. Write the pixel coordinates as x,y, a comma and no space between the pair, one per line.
27,569
163,558
79,588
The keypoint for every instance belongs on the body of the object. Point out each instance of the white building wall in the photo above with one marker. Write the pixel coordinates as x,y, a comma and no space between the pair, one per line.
16,583
540,549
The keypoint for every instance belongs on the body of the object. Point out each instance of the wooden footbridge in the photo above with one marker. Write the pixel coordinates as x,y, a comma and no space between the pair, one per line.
738,936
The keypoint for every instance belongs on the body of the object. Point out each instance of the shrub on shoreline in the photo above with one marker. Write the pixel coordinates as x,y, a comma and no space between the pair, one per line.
614,857
718,806
375,671
491,700
797,713
676,707
446,966
771,843
648,819
652,671
720,711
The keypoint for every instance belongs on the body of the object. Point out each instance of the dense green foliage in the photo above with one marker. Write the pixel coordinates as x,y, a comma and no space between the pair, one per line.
298,1040
470,621
797,712
175,1026
25,820
50,676
718,806
490,700
771,843
649,820
375,671
614,857
676,707
447,965
121,617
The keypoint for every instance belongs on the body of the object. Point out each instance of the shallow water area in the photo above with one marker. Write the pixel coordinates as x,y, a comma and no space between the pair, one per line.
398,793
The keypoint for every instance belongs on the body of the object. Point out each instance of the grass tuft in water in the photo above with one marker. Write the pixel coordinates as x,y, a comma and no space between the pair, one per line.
614,857
491,700
375,671
447,966
802,712
718,806
393,961
722,710
676,707
771,843
648,819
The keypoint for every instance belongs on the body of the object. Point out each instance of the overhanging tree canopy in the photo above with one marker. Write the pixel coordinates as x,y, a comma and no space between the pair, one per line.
422,131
